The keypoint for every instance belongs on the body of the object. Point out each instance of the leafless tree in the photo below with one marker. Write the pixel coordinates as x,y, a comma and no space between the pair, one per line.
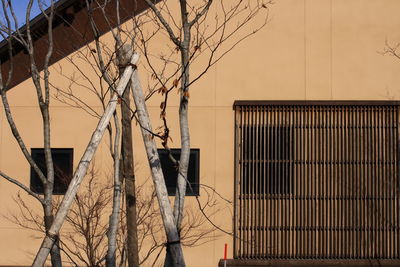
42,87
200,30
83,240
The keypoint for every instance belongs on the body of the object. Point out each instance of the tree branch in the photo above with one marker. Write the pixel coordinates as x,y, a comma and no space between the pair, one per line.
201,13
164,23
22,186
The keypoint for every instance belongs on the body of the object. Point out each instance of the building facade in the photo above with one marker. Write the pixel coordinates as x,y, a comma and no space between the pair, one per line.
296,129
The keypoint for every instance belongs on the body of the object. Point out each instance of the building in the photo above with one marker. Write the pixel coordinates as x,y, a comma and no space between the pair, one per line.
298,126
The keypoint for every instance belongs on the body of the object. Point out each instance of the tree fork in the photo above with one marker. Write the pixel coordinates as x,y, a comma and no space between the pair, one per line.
83,165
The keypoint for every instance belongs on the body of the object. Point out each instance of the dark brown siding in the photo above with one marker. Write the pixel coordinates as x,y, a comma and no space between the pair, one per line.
71,31
317,180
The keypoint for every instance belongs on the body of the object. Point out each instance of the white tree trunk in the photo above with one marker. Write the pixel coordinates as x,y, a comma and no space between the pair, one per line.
80,172
114,217
173,240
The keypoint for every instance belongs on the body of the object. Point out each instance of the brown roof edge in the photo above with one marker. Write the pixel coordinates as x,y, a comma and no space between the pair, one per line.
71,31
37,22
239,103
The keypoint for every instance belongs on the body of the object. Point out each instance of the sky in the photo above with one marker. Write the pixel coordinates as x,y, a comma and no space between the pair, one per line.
20,9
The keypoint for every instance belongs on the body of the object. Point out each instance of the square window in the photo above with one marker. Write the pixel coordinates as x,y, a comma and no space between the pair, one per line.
171,173
62,160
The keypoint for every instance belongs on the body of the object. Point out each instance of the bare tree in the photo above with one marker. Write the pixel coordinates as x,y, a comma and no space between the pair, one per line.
42,86
84,239
201,29
192,34
49,240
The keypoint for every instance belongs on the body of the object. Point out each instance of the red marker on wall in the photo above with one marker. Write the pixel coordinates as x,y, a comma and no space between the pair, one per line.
225,254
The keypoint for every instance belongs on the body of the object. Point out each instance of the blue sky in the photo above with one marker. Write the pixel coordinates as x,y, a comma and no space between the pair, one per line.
20,9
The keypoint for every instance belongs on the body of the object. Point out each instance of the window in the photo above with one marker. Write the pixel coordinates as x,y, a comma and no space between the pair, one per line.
62,160
171,173
267,159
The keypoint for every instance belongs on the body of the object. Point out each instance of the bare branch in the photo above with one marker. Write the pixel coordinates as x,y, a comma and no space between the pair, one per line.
201,13
167,27
22,186
18,137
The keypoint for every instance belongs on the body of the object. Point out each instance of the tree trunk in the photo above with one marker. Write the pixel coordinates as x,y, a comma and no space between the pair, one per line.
183,119
115,214
185,142
55,254
173,240
128,171
129,178
184,128
49,186
80,172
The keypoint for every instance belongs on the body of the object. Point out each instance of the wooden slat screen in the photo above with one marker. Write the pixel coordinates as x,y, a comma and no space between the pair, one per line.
317,181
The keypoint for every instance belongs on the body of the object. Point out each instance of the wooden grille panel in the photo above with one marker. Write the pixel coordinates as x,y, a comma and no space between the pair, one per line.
317,181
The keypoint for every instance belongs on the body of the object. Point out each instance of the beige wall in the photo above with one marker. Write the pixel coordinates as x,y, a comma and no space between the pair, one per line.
310,50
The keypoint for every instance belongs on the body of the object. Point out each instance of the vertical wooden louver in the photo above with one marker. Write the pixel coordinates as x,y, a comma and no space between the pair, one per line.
317,180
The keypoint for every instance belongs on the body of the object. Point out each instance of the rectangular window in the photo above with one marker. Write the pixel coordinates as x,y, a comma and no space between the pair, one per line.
63,168
171,173
267,159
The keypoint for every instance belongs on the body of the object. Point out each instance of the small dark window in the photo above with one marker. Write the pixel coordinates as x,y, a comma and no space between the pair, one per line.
62,160
171,173
267,159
